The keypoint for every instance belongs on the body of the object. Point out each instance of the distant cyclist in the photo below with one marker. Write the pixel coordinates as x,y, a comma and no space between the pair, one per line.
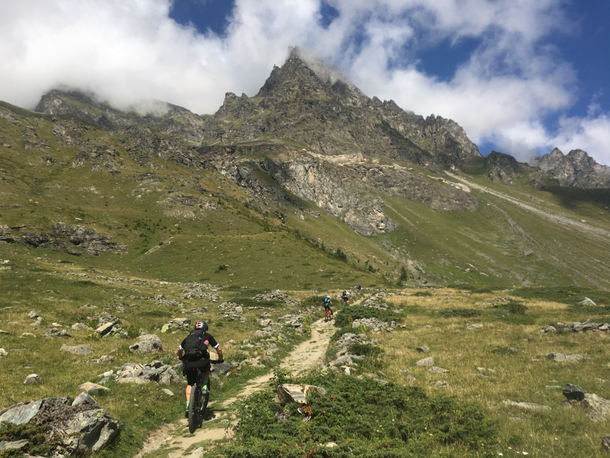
358,287
327,303
345,297
193,352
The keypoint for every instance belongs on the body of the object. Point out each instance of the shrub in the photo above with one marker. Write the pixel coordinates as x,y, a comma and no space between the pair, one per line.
156,313
349,314
312,301
423,294
364,418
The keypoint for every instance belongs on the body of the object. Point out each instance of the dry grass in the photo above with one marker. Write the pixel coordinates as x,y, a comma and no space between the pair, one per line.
523,376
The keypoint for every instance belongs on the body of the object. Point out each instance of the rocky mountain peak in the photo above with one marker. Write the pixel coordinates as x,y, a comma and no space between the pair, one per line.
576,169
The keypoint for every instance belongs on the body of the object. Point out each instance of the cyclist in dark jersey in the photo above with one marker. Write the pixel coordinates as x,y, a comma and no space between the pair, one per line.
190,368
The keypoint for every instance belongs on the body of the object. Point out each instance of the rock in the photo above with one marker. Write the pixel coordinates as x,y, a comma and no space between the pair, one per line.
80,327
33,379
423,349
84,398
474,326
221,368
564,357
548,330
3,352
104,329
573,392
596,407
148,343
33,314
439,383
429,361
168,392
89,431
155,371
14,445
77,349
182,324
437,370
105,359
93,388
410,378
264,321
21,413
28,334
288,393
586,301
54,332
527,406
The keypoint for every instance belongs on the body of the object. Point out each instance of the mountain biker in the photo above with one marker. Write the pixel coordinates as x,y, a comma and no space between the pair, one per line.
327,303
193,352
345,297
358,287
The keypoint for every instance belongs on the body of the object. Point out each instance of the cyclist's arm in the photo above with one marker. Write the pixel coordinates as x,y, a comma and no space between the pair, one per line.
219,351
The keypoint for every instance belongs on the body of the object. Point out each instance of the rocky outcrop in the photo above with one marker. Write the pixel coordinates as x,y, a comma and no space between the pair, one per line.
74,240
576,169
79,429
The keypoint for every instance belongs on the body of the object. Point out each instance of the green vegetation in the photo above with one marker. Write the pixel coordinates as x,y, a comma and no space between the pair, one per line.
363,419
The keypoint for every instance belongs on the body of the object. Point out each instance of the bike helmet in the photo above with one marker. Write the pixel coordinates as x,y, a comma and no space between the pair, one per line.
201,325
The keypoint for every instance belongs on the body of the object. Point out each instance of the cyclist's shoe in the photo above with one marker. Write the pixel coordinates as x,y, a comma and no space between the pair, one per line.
204,392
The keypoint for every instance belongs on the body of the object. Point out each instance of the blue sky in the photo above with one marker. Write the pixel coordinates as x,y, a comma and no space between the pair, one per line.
520,76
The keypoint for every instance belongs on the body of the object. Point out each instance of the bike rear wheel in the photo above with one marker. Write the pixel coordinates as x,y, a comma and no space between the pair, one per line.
194,407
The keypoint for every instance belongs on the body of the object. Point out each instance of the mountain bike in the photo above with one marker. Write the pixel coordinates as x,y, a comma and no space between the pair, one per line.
199,401
329,315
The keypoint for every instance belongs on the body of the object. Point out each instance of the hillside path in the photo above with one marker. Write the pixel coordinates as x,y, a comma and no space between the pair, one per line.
306,356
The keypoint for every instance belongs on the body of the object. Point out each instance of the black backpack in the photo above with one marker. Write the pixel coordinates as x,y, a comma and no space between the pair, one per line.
195,347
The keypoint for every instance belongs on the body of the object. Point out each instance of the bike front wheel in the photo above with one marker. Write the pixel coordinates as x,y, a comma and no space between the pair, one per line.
194,404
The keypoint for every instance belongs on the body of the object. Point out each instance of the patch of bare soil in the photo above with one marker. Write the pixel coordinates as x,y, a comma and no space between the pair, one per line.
304,357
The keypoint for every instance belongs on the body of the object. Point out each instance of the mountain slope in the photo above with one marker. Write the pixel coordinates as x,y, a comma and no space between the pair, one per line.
310,184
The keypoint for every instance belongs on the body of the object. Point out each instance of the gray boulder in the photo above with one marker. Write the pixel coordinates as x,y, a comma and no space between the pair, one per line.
148,343
84,398
181,324
221,368
573,392
423,349
21,413
80,327
89,431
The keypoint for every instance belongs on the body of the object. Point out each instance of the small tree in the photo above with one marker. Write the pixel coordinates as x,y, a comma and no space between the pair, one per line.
403,275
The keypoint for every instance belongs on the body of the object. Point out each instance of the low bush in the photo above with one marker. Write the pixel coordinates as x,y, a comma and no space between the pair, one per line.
349,314
364,419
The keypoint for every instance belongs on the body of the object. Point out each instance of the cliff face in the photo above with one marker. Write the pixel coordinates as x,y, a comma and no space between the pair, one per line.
576,169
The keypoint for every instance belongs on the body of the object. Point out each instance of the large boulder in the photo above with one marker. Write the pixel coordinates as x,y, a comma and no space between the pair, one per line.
148,343
21,413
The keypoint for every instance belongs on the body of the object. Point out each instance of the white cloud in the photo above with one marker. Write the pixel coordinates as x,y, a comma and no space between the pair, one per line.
128,51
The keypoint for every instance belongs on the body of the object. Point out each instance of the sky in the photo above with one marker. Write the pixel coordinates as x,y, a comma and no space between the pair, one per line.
520,76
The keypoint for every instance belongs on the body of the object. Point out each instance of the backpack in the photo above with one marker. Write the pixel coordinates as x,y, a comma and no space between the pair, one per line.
195,348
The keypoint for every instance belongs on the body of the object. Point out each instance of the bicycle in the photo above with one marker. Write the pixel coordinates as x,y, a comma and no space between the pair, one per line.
198,402
329,315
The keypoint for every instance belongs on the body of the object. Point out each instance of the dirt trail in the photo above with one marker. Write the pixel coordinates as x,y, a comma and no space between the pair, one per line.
304,357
